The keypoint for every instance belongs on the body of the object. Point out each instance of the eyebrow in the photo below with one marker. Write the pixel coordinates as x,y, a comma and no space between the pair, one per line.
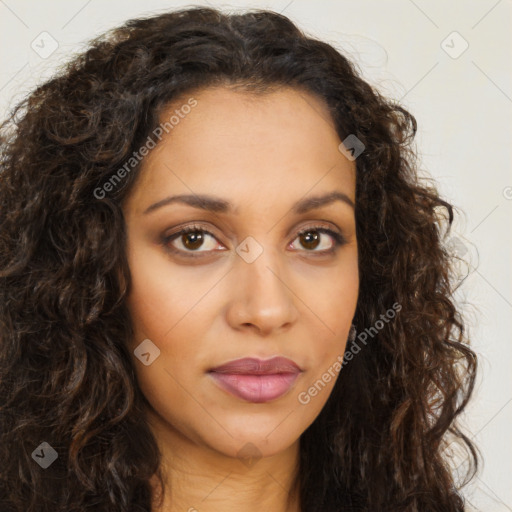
219,205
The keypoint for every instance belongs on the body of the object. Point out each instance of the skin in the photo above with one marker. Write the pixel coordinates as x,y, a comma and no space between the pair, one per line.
262,154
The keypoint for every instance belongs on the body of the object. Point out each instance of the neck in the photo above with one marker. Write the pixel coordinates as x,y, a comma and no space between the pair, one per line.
198,478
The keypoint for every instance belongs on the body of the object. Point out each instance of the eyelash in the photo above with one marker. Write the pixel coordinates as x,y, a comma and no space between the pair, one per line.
338,238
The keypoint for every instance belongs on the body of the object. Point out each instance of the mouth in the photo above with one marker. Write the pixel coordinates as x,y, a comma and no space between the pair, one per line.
255,380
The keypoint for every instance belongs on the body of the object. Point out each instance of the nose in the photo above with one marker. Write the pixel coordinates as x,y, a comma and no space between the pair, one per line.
262,295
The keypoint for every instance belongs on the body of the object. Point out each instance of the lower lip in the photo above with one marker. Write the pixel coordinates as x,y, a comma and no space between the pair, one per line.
255,388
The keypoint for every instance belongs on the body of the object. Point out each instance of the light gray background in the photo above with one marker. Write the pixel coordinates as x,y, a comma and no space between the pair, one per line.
462,101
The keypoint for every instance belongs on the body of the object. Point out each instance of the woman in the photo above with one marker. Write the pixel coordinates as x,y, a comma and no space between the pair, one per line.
223,284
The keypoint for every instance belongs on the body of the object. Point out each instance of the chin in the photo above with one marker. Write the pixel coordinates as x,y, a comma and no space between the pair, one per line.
254,441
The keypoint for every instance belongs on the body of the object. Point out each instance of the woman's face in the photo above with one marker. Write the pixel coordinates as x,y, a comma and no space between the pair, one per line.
245,283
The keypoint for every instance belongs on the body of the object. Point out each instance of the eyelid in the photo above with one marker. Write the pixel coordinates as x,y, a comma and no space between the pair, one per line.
336,234
327,228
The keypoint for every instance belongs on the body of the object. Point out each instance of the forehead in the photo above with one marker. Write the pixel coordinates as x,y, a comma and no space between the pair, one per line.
234,142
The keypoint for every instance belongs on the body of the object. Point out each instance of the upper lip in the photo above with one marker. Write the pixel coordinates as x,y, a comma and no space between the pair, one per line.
255,366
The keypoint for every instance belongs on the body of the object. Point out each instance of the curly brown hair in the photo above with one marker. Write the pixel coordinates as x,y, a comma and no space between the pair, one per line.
66,376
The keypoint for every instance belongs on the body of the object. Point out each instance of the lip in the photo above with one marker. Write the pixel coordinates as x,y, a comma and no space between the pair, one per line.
256,380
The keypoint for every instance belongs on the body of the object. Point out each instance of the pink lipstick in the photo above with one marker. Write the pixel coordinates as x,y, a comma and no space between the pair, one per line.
256,380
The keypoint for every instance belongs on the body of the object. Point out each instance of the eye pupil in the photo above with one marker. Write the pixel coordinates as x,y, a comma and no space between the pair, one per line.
311,239
195,236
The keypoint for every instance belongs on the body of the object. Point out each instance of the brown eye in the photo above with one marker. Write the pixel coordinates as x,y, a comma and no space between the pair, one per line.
190,240
311,239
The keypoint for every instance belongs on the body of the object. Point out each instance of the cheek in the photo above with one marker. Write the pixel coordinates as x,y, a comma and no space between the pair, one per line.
167,306
173,322
160,315
333,305
331,297
163,296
